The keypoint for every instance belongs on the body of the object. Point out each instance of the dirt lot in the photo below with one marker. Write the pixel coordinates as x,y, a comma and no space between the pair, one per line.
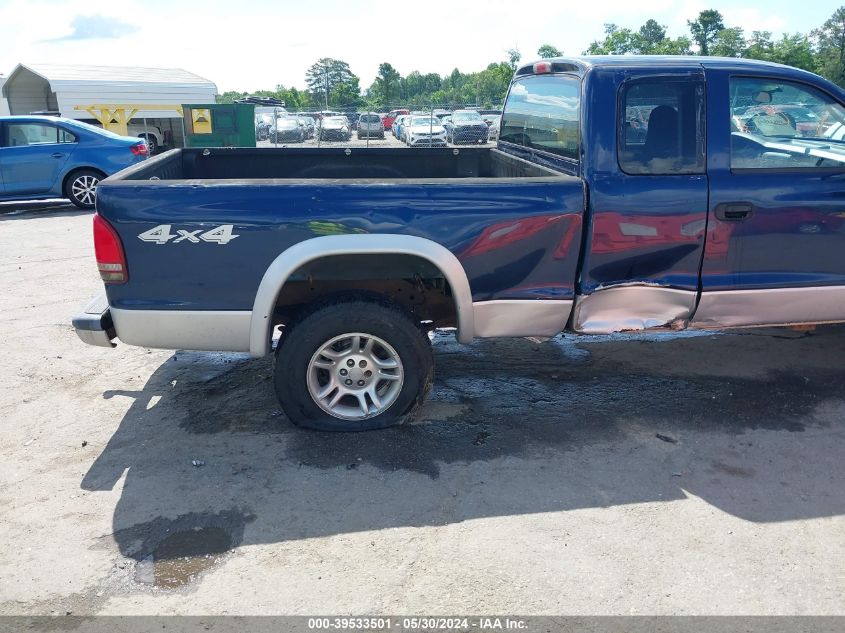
682,475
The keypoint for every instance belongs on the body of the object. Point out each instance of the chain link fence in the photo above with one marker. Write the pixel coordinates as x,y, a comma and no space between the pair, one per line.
409,127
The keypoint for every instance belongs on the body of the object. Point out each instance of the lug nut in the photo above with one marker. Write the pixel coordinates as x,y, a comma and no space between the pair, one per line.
350,363
348,381
343,372
360,383
362,364
368,373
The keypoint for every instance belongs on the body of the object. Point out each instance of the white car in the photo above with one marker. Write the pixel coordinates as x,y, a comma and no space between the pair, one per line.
425,131
495,124
151,134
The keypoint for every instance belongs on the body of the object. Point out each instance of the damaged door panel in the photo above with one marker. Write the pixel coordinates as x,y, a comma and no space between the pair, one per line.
633,307
641,261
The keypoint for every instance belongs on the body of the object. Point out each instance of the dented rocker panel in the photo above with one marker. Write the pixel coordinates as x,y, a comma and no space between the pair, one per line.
632,307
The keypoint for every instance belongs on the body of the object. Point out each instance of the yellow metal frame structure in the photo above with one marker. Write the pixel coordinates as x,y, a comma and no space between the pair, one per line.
116,116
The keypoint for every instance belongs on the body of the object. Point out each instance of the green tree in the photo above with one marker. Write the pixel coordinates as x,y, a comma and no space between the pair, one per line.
830,43
678,46
705,28
547,51
616,42
652,34
513,57
331,82
387,83
795,50
760,45
729,42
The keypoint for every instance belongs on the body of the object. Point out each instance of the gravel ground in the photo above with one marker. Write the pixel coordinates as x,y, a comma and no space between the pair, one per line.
663,474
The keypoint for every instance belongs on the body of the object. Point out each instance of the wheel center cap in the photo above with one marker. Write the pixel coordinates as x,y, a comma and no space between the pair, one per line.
351,369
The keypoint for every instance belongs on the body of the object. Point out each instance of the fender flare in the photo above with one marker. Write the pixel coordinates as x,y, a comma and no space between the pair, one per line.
280,270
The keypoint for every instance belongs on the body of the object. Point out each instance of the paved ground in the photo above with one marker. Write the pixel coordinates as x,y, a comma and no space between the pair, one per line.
683,475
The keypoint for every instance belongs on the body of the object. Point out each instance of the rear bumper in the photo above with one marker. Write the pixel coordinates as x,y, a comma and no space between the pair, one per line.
94,324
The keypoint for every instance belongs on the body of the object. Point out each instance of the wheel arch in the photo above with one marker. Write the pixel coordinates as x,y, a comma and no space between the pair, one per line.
77,168
280,270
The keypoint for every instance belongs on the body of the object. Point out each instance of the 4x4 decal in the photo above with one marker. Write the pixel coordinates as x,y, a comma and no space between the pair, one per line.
161,235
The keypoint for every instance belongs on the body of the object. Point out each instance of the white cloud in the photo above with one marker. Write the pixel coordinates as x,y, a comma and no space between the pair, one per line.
258,43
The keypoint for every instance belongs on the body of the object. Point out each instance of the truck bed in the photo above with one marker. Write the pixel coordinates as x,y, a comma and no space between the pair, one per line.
515,226
249,164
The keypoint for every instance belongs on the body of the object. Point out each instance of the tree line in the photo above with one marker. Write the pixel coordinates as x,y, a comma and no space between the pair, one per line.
332,85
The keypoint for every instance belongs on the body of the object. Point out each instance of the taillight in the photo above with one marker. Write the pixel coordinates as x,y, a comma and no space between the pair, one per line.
542,67
140,149
109,251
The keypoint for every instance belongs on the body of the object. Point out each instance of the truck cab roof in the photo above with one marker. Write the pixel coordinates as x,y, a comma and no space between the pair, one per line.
659,63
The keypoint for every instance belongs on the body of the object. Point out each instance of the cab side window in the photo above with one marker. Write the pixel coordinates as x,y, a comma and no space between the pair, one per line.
779,124
661,130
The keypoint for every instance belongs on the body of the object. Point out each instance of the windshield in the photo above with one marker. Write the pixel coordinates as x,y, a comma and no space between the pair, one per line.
370,118
543,112
424,120
465,117
336,120
784,124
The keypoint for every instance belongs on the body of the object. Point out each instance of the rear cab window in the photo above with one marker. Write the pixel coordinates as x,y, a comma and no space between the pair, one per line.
661,131
542,113
777,124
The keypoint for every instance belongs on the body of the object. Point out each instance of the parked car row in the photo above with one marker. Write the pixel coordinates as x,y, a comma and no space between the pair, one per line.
438,127
460,126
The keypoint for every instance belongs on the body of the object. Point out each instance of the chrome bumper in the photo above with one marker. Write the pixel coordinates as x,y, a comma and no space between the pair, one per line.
94,325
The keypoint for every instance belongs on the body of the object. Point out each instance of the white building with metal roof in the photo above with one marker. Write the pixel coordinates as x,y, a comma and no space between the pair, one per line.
57,87
4,105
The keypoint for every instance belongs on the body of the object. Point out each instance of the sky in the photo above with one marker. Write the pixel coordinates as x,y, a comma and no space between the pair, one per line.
252,44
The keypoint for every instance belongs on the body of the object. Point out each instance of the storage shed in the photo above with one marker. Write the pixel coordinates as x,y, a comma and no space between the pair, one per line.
55,87
4,105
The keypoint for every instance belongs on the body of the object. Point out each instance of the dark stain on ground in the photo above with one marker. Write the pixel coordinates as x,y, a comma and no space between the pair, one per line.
735,471
178,550
182,556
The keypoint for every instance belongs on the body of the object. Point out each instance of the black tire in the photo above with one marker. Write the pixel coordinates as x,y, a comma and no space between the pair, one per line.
152,146
77,187
301,340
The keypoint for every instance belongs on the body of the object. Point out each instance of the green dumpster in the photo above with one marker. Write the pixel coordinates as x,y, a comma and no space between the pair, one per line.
219,124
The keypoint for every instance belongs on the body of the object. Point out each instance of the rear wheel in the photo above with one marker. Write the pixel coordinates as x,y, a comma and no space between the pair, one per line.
353,366
152,145
81,187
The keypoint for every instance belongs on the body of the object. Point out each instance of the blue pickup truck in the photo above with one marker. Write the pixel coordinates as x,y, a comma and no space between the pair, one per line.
625,193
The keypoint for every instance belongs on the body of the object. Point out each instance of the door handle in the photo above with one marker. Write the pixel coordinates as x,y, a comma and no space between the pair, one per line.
734,211
57,155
